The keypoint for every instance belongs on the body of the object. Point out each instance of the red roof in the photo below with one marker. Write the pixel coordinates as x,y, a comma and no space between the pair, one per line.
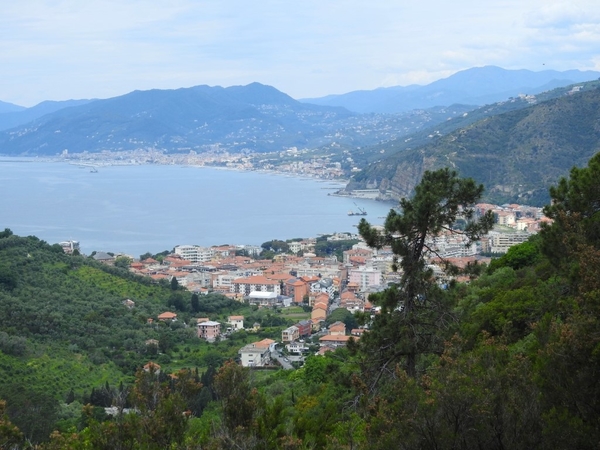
167,315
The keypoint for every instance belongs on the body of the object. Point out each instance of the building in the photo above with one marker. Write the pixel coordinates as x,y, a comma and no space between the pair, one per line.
290,334
263,298
304,328
335,340
296,347
236,322
319,311
296,288
194,253
337,329
295,246
256,283
166,316
69,246
129,303
364,277
501,242
365,253
257,354
209,330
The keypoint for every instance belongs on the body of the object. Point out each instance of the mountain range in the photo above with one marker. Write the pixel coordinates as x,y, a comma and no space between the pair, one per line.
475,86
255,117
252,118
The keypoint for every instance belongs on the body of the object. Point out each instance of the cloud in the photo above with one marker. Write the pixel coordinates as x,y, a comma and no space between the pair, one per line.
58,49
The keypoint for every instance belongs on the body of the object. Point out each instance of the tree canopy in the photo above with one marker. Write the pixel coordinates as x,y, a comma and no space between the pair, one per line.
413,309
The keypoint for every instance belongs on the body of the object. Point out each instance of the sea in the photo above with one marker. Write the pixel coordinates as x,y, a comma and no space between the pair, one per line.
134,209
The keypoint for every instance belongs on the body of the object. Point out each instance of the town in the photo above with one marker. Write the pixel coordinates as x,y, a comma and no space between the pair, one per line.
296,274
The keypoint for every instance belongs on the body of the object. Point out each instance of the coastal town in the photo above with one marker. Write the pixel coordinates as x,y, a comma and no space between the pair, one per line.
295,275
293,161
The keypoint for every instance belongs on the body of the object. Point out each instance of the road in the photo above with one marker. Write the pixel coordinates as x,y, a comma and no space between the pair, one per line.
280,358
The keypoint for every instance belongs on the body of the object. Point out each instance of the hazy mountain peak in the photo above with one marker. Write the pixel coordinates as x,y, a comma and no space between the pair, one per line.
473,86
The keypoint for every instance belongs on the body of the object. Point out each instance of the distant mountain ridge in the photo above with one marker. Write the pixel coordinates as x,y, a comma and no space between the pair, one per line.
517,155
22,115
254,117
6,107
258,118
475,86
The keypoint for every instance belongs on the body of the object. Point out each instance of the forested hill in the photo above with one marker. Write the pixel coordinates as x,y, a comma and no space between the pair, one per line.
517,155
65,332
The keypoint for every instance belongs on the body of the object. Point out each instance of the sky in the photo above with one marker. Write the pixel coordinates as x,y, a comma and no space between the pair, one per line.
76,49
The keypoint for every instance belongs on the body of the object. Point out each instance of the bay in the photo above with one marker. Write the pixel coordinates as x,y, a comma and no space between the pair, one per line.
139,208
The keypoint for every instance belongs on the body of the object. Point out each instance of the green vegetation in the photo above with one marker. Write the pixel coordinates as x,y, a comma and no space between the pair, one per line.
323,247
509,360
516,153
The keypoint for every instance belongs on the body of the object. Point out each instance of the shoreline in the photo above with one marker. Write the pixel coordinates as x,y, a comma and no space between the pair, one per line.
75,161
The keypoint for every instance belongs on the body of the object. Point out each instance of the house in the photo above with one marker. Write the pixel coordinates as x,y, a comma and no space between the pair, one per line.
335,340
257,354
209,330
296,347
290,334
350,301
168,315
104,257
236,322
319,312
322,297
324,350
304,328
357,253
129,303
337,329
317,324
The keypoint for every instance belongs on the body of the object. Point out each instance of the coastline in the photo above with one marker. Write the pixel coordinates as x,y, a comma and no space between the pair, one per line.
87,160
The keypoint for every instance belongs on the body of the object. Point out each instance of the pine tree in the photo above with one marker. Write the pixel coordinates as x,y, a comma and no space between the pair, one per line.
414,310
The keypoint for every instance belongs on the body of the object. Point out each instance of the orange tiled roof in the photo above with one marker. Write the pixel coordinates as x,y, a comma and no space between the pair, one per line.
167,315
336,338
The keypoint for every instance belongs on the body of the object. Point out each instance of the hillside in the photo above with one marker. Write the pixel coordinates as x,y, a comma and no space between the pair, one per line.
67,338
475,86
517,154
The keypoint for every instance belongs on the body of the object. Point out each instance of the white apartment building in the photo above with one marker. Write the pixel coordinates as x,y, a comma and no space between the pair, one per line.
195,253
295,246
452,246
501,242
257,354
